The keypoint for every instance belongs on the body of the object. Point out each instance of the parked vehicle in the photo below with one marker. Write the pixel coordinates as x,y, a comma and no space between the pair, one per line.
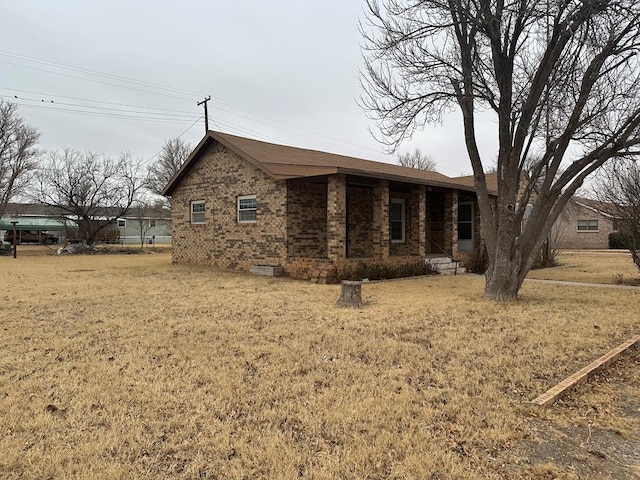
31,236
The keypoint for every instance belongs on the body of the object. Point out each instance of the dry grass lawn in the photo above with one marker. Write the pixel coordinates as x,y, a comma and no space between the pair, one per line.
592,266
125,366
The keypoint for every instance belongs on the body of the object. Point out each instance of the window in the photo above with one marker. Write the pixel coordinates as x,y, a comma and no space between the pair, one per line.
465,227
197,212
616,224
153,223
122,223
397,220
247,209
587,225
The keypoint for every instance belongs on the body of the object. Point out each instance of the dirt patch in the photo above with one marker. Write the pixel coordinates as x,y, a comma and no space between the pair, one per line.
583,452
586,436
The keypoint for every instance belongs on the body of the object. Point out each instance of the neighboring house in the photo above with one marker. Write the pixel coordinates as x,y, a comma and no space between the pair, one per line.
151,225
45,224
237,203
586,224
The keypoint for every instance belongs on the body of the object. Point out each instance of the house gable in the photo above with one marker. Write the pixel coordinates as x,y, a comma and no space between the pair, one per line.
218,178
582,226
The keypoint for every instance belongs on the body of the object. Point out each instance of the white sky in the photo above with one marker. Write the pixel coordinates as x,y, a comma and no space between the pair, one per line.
284,71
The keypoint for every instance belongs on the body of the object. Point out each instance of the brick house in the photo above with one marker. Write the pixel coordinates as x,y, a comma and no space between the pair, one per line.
238,202
585,224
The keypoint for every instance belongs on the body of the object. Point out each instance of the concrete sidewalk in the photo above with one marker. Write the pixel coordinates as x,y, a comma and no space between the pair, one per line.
582,284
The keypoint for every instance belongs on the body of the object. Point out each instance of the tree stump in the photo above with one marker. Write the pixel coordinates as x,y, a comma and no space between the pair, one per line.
351,294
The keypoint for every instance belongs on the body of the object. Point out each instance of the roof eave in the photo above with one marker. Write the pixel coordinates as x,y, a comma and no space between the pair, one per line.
192,159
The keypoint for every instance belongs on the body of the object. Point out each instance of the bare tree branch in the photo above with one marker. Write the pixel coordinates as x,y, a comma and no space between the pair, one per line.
174,153
417,159
561,79
18,154
91,189
618,188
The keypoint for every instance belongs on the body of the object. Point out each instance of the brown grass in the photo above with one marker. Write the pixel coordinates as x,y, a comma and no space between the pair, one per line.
592,266
130,367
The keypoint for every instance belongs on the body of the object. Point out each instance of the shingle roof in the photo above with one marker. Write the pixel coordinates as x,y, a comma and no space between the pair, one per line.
603,208
491,179
283,162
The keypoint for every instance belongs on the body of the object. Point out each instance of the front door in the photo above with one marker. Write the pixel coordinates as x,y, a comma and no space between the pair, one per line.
465,226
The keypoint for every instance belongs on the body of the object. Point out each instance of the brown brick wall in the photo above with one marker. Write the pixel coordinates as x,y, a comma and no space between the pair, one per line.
570,237
435,221
317,270
219,177
380,226
359,222
306,219
336,217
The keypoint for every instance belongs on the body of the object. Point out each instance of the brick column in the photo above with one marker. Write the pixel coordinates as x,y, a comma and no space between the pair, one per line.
421,196
380,227
451,222
336,218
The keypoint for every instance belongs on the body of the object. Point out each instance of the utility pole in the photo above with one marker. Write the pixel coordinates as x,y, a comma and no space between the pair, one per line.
206,113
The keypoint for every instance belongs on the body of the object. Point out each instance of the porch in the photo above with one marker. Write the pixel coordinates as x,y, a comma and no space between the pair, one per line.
338,222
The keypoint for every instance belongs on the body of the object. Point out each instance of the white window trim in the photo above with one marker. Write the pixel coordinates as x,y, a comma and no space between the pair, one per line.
124,223
246,197
403,215
588,230
198,202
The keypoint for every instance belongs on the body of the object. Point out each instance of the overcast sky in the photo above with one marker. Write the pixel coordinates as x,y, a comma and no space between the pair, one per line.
284,71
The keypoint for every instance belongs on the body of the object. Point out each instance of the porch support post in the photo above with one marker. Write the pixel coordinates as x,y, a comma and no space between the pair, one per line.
422,219
337,218
451,222
380,228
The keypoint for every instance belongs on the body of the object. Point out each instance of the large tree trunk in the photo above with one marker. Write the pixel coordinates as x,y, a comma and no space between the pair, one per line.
503,278
635,255
502,284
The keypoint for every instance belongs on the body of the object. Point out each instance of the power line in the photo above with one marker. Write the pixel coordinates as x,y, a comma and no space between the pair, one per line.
264,119
119,110
95,101
276,122
104,114
235,109
98,74
179,136
96,81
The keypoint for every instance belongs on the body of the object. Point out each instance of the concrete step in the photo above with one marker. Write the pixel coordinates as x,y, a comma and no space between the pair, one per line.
445,265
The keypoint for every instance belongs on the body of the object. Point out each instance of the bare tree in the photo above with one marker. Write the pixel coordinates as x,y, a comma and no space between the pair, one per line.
417,159
559,79
92,190
552,246
144,223
618,187
17,154
174,153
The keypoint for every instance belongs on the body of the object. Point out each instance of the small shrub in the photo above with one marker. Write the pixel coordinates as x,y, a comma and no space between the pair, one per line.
478,261
618,241
384,272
